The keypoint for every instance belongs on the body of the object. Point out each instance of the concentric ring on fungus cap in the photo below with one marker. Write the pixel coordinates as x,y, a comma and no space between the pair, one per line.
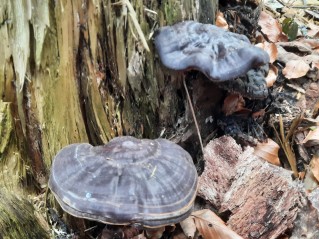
127,181
219,54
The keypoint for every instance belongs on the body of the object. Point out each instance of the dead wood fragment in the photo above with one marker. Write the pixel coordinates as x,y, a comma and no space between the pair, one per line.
220,156
262,199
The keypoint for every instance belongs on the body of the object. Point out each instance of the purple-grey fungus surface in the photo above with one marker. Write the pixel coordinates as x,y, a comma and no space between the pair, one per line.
221,55
127,181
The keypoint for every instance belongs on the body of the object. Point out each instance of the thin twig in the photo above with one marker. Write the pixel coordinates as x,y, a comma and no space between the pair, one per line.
194,117
284,141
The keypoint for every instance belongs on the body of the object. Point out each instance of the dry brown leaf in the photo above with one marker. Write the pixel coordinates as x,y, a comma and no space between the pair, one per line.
233,103
312,43
189,227
297,47
272,75
310,121
314,59
310,182
314,165
221,21
268,151
295,69
285,56
271,49
315,110
210,225
258,114
312,138
270,27
315,64
314,30
259,38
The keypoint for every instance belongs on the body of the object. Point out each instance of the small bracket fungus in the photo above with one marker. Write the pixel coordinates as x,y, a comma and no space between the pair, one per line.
151,183
221,55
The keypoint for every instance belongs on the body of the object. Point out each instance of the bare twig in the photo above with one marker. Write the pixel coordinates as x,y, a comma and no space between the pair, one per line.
285,142
194,117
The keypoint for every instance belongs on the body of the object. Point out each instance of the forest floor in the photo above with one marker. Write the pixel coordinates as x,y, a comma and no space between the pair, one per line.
257,200
261,181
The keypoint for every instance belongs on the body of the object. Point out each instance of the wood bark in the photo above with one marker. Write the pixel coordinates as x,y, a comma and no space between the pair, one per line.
77,71
260,200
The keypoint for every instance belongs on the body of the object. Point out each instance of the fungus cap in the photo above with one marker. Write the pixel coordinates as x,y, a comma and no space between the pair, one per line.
127,181
221,55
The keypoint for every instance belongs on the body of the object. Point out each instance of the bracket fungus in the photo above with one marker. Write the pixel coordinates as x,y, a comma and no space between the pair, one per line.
146,182
221,55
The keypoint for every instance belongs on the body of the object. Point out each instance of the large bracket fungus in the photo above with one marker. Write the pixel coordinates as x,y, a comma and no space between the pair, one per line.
221,55
151,183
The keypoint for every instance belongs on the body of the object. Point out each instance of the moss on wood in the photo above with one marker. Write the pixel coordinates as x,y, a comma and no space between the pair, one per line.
14,169
17,218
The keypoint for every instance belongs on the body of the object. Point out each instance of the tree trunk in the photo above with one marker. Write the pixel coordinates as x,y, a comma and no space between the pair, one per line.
77,71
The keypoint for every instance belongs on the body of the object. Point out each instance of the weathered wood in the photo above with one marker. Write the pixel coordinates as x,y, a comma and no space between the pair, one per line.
221,157
14,166
262,199
19,219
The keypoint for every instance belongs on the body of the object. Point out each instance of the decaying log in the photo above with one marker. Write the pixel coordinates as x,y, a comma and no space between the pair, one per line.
262,199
